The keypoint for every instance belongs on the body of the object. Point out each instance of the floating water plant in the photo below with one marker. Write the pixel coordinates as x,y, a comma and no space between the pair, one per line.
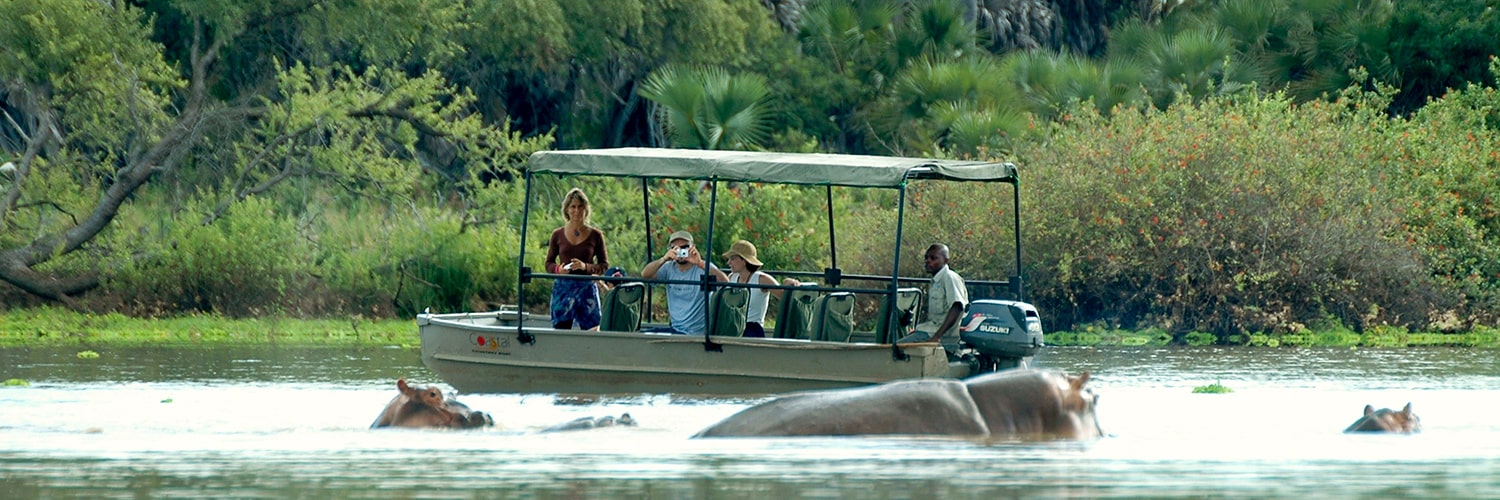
15,382
88,355
1214,388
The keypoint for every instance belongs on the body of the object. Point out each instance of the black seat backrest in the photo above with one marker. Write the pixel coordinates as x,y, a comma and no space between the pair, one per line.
622,308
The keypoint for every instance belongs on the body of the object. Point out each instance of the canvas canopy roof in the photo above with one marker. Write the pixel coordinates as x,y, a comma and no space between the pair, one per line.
751,166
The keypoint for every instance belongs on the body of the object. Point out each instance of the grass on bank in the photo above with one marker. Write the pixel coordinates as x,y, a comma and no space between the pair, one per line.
47,326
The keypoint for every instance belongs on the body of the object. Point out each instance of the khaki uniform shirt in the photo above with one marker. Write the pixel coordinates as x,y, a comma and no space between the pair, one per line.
947,287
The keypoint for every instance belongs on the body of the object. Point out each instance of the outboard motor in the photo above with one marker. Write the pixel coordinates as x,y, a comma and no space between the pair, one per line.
1003,333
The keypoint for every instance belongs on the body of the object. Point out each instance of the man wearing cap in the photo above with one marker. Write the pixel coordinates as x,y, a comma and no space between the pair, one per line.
686,304
946,299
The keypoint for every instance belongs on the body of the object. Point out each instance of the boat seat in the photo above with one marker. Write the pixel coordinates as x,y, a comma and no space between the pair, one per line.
833,318
621,308
887,325
726,311
794,318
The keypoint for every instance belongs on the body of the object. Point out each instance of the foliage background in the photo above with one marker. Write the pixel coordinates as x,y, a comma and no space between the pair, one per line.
1230,168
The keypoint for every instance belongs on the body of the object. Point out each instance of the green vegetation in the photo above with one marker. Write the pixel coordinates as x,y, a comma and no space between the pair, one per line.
1214,388
1242,172
1382,337
15,382
45,326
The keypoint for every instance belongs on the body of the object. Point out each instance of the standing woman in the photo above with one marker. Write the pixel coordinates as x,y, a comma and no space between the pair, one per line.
576,249
745,268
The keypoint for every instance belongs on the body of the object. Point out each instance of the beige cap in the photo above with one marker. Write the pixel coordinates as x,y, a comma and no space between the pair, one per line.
680,235
745,250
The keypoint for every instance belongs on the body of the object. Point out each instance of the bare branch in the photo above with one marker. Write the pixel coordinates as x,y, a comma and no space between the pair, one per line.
54,205
23,168
400,114
24,136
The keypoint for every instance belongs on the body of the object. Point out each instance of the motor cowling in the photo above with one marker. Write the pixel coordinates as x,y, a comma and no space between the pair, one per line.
1002,328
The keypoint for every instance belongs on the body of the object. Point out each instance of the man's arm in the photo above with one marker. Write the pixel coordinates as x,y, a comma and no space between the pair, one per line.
954,311
717,274
649,272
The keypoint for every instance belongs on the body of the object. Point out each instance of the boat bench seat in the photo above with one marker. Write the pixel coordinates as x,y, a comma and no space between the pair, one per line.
621,308
726,311
833,318
794,318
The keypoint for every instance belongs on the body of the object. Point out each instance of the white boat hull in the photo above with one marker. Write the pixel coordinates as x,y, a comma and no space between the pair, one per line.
481,353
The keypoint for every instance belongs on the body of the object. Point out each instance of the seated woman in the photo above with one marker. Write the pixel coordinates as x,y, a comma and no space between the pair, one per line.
745,268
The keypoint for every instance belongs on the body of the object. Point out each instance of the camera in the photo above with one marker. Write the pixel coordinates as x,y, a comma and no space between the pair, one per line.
682,253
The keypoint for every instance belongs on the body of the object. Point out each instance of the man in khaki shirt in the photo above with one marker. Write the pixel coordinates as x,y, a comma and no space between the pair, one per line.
946,300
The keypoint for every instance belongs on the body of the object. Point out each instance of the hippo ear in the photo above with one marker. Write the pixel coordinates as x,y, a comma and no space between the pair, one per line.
405,389
1369,410
1077,382
1407,410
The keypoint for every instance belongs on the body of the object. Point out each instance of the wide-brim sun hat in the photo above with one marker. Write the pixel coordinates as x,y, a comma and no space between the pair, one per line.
745,250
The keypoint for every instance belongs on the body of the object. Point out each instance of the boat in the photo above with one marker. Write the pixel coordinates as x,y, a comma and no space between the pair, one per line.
813,345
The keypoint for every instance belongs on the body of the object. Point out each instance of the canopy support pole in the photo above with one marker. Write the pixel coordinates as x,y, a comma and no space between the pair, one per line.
522,335
896,352
833,241
646,209
1016,286
708,306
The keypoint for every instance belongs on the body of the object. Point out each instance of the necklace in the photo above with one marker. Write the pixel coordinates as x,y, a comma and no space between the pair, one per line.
576,232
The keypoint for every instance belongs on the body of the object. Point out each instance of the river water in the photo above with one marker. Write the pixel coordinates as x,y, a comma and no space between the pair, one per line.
293,423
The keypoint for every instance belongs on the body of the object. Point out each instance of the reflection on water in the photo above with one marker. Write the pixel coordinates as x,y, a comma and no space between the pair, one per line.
292,423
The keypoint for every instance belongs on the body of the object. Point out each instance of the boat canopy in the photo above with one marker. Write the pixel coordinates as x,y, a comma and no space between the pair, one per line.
768,167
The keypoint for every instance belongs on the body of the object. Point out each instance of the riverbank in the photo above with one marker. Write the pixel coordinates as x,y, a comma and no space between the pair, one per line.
47,326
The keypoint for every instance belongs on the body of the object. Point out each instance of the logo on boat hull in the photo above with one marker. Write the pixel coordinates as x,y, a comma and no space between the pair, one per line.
482,342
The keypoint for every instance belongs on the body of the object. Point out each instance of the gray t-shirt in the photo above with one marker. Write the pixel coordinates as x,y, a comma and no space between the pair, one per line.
686,304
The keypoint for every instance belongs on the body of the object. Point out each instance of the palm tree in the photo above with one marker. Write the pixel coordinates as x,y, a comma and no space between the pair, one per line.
936,98
1051,82
708,108
1197,62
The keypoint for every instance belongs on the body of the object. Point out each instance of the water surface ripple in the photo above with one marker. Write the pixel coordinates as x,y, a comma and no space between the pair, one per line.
292,423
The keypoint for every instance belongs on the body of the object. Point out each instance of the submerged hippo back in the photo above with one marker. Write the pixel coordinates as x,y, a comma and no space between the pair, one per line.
1035,404
915,407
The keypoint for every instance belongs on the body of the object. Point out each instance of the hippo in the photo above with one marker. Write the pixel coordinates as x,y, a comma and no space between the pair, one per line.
1029,404
1387,420
418,406
581,423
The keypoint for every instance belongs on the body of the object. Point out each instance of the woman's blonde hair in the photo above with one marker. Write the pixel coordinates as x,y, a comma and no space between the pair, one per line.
583,199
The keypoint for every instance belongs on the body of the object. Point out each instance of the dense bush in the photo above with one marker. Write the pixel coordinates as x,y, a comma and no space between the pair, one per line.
247,264
1446,162
1236,215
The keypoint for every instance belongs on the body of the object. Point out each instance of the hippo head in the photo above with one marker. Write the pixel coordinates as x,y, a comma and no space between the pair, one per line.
429,396
418,406
1036,404
1387,420
1078,404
